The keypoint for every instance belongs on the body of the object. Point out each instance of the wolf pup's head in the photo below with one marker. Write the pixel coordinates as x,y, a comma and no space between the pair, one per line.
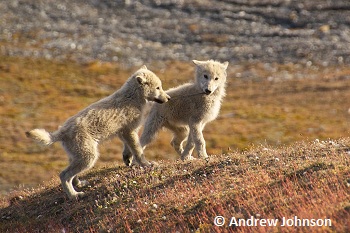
210,75
151,85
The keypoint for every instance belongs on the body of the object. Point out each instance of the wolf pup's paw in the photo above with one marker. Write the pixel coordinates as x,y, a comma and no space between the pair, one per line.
76,196
145,163
83,183
128,161
187,158
153,163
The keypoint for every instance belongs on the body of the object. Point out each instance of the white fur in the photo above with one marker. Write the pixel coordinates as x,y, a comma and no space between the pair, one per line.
116,115
41,136
191,107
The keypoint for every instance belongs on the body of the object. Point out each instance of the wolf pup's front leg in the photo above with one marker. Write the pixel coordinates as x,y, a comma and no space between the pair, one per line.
131,140
187,153
198,139
127,155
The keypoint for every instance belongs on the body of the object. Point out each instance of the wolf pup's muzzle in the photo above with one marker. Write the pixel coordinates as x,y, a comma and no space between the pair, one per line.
207,91
162,100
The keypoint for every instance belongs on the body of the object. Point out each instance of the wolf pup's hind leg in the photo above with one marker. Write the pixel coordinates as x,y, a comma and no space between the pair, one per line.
81,159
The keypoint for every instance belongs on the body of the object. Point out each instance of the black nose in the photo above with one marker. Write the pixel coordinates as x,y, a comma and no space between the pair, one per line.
207,91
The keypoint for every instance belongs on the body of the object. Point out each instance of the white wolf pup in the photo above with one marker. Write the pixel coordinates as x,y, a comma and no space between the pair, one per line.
116,115
192,106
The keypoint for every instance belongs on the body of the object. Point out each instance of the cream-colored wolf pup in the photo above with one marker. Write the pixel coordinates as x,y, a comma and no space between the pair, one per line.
116,115
191,107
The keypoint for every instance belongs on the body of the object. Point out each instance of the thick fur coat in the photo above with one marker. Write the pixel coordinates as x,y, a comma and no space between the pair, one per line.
116,115
192,106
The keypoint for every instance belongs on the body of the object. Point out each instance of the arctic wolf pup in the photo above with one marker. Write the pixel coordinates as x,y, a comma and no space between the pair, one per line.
192,106
116,115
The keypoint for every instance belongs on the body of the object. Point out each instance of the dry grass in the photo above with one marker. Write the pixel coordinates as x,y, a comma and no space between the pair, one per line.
256,168
308,180
267,104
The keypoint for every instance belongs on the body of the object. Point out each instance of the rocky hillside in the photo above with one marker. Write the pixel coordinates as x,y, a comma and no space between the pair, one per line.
309,180
134,32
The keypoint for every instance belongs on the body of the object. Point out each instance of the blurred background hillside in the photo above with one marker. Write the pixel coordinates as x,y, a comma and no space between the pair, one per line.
135,32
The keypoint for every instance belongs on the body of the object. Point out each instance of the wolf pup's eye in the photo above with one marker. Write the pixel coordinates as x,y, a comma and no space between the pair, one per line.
205,76
216,78
157,88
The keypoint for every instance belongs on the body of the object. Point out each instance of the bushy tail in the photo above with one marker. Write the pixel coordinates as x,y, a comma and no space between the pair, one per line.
41,136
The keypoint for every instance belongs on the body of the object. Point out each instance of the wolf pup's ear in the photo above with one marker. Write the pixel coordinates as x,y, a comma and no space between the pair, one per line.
144,67
198,63
141,79
225,65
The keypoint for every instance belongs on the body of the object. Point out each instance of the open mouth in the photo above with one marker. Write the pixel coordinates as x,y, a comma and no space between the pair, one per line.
158,101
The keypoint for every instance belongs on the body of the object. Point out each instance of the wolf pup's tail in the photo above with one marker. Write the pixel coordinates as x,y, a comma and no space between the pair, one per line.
41,136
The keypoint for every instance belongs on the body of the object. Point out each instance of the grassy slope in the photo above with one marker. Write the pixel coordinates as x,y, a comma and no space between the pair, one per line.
309,180
39,93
